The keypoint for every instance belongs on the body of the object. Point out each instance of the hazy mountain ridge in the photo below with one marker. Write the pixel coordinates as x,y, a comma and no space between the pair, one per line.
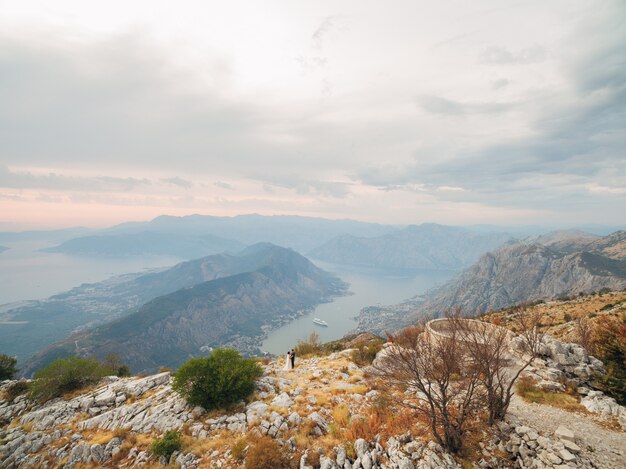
516,273
37,324
229,311
176,234
428,246
147,243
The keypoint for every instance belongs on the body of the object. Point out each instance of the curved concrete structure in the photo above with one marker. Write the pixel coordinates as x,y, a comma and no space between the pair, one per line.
442,328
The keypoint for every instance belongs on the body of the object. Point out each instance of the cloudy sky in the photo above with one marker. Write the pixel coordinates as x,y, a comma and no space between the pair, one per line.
457,112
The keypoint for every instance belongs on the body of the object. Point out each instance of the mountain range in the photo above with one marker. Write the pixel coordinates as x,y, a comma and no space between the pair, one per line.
275,284
417,247
199,235
541,268
148,243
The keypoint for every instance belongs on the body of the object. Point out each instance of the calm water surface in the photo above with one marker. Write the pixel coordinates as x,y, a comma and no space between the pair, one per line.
26,274
370,287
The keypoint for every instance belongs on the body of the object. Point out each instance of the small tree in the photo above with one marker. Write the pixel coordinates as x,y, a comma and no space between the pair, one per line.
166,445
442,386
64,375
219,380
489,353
7,367
114,365
310,346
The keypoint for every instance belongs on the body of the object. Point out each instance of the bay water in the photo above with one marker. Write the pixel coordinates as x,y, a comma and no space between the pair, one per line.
369,287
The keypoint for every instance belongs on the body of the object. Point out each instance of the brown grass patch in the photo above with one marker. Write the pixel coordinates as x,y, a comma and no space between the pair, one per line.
238,450
197,446
264,453
527,389
98,437
68,396
362,389
341,415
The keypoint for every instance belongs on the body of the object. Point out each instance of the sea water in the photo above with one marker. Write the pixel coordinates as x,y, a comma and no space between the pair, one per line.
369,287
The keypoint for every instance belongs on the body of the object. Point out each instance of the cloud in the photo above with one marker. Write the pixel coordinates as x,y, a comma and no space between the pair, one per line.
444,106
527,123
224,185
177,181
333,25
565,161
500,56
499,83
56,181
115,101
312,187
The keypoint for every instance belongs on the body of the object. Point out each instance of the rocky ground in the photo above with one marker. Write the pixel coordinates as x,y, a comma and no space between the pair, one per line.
311,412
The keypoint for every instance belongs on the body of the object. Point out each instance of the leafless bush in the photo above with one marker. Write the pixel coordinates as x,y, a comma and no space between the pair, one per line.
440,384
487,346
584,334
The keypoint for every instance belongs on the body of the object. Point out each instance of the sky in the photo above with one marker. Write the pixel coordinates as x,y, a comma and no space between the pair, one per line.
455,112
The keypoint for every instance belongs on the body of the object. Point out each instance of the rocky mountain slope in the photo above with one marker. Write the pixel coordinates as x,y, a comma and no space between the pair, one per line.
325,413
37,324
427,246
516,273
229,311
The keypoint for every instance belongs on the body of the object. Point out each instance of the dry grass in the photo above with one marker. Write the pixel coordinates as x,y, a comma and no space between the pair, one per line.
284,411
360,389
341,415
264,453
197,446
140,440
218,440
155,465
528,390
68,396
557,314
27,427
238,450
99,437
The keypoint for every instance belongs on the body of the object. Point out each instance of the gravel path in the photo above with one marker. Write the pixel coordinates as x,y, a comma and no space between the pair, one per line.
606,448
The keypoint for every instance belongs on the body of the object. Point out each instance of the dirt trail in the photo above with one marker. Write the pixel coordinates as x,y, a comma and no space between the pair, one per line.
606,448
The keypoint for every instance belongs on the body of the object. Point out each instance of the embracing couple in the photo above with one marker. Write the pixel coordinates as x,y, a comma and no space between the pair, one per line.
290,360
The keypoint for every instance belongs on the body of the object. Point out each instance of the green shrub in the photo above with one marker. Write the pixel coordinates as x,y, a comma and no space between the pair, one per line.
221,379
365,353
310,346
114,366
7,367
64,375
166,445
